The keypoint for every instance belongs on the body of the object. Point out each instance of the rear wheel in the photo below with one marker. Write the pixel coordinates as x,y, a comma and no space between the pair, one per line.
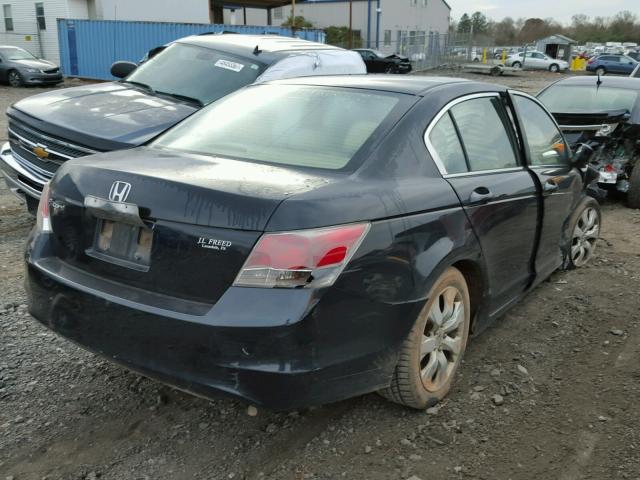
15,79
585,228
432,353
633,195
516,65
554,68
601,71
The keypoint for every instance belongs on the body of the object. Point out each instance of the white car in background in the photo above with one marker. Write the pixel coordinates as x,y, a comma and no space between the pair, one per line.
534,60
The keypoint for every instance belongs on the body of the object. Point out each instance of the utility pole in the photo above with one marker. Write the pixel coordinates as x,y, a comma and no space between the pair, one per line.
293,15
350,24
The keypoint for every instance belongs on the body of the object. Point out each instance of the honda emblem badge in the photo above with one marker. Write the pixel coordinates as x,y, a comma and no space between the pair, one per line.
119,191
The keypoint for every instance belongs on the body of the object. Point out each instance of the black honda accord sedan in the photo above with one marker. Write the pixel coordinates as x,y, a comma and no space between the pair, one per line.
305,241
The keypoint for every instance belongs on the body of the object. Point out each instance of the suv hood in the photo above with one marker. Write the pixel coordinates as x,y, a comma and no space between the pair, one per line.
111,113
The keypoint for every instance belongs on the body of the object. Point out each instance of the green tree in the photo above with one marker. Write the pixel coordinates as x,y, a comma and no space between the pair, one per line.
464,25
339,36
479,23
300,22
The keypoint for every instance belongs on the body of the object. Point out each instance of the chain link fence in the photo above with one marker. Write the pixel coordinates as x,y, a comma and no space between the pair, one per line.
433,50
428,50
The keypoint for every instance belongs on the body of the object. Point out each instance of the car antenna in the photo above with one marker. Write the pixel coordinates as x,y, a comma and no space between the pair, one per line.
599,82
257,51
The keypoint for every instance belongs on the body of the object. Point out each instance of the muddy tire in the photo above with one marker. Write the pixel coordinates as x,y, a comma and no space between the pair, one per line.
431,354
633,195
584,231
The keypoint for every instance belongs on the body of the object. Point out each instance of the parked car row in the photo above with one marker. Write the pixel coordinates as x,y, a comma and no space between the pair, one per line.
300,240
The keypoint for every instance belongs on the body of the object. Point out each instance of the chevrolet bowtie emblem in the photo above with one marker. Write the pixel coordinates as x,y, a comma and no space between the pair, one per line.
40,152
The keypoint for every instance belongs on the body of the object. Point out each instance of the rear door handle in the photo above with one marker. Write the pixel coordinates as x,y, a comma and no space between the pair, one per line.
549,187
480,195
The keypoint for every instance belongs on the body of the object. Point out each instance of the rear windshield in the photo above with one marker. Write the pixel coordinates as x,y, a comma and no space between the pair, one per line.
588,99
318,127
196,72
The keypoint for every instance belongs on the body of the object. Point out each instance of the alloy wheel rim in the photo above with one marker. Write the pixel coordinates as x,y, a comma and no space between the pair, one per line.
442,339
14,80
585,236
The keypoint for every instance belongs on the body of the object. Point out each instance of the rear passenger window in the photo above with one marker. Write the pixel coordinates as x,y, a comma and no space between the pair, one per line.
481,123
545,142
447,146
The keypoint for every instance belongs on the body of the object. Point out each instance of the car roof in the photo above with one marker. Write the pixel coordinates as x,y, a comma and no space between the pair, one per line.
607,81
271,47
413,85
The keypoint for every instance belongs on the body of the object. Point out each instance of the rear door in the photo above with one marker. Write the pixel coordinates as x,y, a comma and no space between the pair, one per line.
473,144
559,182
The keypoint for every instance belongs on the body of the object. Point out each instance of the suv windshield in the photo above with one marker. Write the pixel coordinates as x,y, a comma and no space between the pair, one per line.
588,99
284,124
16,54
189,71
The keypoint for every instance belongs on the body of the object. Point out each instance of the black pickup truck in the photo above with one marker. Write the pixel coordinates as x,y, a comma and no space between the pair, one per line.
176,80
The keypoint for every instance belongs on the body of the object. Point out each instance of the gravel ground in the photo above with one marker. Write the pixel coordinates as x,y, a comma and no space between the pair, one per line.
549,391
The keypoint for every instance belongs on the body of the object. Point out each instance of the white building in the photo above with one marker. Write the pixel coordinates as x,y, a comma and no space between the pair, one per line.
399,20
32,24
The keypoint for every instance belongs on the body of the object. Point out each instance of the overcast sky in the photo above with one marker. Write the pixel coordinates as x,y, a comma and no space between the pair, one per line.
561,10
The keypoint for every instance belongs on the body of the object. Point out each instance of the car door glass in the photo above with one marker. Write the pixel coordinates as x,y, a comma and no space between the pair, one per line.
545,143
481,123
445,142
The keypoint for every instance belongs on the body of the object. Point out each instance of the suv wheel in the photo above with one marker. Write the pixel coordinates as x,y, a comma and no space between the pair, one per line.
633,195
585,231
601,71
15,79
432,353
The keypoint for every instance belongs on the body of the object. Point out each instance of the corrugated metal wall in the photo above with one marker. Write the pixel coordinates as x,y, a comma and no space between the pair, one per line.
89,47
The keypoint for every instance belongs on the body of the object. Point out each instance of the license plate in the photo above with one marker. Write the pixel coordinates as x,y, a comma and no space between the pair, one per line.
608,177
123,244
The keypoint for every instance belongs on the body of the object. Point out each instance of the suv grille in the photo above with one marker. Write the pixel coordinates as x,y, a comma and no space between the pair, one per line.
39,153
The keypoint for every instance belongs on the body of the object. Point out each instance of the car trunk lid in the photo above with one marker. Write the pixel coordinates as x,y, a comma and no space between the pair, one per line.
172,224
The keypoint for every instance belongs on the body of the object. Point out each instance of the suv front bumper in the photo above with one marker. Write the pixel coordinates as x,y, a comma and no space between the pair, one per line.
20,181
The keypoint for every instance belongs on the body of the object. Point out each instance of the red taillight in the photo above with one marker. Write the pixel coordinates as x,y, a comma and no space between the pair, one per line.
43,220
609,168
305,258
591,61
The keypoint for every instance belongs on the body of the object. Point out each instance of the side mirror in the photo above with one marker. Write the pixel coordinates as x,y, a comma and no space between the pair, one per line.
122,69
582,155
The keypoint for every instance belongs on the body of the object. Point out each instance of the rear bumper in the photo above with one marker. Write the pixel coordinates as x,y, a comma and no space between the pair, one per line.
273,348
19,180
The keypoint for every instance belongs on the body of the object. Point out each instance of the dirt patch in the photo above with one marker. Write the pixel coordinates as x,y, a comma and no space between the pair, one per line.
564,364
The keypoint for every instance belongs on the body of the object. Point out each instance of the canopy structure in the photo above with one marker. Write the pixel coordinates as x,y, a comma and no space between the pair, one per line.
216,7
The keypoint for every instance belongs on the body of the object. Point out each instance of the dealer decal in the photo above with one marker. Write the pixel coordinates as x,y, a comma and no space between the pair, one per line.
228,65
214,243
